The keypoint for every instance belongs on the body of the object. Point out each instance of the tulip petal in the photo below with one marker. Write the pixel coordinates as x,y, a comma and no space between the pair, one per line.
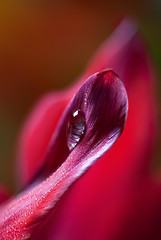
103,100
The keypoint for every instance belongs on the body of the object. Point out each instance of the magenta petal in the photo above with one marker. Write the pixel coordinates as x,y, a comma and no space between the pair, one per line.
103,100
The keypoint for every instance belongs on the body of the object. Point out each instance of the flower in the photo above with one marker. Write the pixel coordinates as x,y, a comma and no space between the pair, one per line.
117,198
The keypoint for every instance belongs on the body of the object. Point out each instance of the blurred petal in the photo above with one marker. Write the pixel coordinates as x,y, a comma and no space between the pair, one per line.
145,206
96,208
36,134
103,100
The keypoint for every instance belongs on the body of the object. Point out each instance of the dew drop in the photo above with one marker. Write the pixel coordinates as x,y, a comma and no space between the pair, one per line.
76,128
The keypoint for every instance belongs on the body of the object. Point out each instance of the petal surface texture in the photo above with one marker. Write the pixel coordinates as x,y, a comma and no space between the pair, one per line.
103,101
119,190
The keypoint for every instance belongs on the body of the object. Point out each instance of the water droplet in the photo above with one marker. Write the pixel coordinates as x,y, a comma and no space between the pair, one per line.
76,128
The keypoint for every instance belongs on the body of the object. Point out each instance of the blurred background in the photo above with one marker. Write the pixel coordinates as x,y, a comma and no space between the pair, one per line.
45,45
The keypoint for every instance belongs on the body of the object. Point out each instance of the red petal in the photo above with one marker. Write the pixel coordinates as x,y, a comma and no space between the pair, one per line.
103,100
37,133
115,189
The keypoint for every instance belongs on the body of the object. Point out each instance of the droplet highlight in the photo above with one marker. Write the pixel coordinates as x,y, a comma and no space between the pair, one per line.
76,128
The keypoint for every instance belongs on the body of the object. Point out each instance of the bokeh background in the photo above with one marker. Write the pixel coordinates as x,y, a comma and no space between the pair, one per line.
45,45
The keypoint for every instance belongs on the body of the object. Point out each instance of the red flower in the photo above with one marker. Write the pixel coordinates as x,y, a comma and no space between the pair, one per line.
117,198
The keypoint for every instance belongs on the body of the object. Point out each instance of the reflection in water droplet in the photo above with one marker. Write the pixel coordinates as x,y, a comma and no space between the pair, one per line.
76,128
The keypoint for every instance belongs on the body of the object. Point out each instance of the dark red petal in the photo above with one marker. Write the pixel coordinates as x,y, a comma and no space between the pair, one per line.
103,100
